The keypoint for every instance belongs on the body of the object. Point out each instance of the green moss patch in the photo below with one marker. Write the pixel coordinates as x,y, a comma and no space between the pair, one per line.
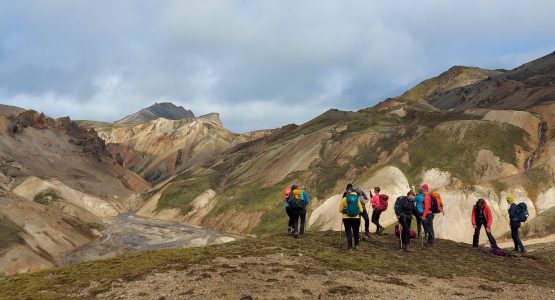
456,150
47,197
9,233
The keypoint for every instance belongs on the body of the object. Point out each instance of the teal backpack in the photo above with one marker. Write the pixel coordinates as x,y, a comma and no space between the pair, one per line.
352,209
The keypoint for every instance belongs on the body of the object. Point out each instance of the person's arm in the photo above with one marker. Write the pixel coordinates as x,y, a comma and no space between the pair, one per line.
342,204
489,219
427,206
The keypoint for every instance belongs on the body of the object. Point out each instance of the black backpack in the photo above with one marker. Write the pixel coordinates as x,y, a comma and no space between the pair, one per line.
295,202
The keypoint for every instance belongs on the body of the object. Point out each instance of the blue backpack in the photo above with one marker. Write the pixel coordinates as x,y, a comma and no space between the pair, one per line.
522,212
352,209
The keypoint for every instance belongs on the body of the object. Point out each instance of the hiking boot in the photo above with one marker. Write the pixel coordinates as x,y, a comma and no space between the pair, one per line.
406,248
289,230
380,230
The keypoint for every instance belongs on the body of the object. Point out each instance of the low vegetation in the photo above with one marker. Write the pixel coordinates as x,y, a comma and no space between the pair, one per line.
47,197
536,180
182,191
381,257
9,233
455,148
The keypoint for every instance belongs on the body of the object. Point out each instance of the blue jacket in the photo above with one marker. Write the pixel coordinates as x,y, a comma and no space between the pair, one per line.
418,202
305,198
513,212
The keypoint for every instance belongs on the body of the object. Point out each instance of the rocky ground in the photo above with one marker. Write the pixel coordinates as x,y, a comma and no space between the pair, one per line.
280,276
314,266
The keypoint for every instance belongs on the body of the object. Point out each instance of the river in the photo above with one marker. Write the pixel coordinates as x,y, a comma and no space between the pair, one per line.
129,232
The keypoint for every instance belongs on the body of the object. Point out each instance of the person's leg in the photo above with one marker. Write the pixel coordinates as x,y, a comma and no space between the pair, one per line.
430,224
418,225
356,231
491,239
476,237
296,215
380,227
514,235
348,232
303,219
405,230
366,222
290,223
514,232
374,219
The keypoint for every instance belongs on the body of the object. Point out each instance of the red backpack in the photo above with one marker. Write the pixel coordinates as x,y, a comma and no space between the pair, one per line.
383,202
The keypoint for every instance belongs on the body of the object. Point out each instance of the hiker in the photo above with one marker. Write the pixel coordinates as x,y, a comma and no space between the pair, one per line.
481,216
404,210
302,215
378,206
514,221
418,202
363,198
297,204
288,208
427,214
351,208
347,190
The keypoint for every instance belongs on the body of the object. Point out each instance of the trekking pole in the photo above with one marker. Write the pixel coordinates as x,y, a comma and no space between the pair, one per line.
400,235
424,227
340,234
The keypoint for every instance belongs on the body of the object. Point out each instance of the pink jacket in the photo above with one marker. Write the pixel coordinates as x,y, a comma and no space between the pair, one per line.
375,201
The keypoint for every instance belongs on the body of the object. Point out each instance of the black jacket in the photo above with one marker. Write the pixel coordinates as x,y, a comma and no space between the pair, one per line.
404,207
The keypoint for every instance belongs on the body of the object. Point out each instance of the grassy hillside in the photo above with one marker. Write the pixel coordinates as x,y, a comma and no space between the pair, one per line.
380,257
9,233
453,78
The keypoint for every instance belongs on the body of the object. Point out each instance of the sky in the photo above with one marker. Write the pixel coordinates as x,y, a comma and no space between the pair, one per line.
260,64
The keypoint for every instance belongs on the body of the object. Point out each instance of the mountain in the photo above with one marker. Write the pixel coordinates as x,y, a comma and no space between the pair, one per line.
166,110
466,154
522,88
10,110
162,148
58,186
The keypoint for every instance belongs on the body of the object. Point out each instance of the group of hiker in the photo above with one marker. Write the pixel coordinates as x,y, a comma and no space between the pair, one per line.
423,205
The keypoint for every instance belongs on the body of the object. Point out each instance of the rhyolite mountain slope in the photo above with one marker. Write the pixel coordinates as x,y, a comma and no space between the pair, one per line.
465,153
161,148
58,184
166,110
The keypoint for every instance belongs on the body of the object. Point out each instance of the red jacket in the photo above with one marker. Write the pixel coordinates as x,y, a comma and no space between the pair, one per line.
487,214
427,204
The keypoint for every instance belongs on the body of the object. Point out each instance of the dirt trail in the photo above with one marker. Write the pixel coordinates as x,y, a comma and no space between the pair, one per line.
296,277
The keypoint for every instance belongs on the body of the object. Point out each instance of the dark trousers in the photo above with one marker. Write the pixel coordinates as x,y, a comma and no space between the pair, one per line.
352,227
376,218
514,234
419,225
364,215
302,215
289,212
405,229
476,238
296,212
429,228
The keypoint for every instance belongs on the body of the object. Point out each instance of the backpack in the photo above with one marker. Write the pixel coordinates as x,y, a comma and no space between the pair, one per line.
494,251
351,208
383,202
437,205
295,199
522,212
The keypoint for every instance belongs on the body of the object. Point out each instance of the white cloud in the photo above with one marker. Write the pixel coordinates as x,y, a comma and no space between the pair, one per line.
106,59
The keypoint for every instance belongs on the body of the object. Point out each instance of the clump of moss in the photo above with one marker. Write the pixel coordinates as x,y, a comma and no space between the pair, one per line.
9,233
47,197
181,192
536,179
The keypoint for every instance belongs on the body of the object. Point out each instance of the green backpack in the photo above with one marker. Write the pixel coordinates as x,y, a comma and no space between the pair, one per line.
352,209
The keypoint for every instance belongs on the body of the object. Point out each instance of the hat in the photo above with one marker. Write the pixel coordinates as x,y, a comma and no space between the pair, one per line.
510,198
425,187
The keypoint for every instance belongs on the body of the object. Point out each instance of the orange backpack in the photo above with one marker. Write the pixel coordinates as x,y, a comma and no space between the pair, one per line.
437,207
